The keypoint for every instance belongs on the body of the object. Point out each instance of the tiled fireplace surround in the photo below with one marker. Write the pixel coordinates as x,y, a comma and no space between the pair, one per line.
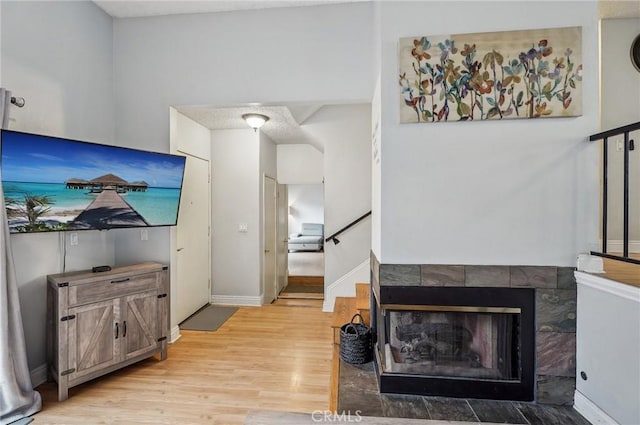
555,311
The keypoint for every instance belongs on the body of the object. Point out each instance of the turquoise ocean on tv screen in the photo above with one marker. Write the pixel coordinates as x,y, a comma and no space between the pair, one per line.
158,206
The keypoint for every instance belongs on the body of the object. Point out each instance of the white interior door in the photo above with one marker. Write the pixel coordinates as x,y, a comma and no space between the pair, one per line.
193,240
269,261
282,237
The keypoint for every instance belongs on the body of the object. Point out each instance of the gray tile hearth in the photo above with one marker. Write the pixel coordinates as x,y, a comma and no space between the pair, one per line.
450,409
497,412
358,391
404,406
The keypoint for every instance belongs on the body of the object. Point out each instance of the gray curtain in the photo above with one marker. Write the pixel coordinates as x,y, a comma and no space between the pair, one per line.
17,397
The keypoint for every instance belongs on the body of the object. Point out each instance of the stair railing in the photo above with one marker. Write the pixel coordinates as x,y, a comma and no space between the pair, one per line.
628,146
334,237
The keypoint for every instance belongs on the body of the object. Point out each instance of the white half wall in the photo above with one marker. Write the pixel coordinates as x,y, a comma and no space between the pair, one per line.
59,57
499,192
608,346
300,164
306,205
345,285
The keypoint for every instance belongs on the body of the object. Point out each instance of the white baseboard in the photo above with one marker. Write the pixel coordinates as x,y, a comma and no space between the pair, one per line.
346,285
590,411
238,300
38,375
175,334
616,246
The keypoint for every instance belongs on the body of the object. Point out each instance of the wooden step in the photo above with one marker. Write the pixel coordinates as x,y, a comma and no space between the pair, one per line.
302,295
343,311
362,301
299,302
306,280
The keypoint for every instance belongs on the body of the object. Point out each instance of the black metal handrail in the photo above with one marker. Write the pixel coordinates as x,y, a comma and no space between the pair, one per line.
628,146
334,237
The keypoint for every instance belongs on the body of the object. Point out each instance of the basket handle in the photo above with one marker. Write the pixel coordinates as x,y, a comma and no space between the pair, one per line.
358,315
350,325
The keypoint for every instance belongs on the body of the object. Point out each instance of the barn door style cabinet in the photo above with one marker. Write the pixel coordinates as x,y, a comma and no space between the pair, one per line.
101,322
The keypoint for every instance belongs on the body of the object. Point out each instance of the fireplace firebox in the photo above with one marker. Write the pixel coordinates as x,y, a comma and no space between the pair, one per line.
455,341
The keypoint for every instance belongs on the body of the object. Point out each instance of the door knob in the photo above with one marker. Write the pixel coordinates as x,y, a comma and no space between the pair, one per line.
179,249
266,250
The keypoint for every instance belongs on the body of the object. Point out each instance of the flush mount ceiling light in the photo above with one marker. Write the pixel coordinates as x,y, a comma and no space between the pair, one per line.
255,121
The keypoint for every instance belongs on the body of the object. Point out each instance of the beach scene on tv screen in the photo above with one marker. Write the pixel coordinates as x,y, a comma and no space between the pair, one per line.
53,184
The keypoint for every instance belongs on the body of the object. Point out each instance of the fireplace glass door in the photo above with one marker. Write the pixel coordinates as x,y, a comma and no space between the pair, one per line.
453,342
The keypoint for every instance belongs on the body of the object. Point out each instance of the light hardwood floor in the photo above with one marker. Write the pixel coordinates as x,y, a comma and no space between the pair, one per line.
273,357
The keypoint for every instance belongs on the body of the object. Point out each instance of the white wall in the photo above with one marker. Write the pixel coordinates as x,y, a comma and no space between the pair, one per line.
345,131
621,106
608,348
235,200
213,59
500,192
58,56
216,59
300,164
306,205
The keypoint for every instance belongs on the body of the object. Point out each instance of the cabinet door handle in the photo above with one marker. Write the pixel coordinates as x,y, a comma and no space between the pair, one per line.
117,330
124,328
121,280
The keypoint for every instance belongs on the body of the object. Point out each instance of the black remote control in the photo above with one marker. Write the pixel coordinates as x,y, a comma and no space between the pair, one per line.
98,269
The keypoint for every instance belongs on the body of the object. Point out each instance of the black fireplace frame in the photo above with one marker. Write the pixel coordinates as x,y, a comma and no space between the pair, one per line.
523,298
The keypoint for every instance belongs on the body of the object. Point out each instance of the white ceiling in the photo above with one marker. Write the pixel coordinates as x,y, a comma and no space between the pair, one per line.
142,8
285,125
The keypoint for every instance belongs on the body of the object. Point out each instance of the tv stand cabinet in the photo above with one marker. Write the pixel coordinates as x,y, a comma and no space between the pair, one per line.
101,322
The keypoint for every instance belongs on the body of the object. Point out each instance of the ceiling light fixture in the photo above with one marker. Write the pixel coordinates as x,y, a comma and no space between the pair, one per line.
255,121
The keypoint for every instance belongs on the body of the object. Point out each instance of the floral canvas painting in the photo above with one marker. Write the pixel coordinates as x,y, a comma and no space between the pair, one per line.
491,76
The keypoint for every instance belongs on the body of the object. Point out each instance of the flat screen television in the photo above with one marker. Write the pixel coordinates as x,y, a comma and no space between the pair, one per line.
54,184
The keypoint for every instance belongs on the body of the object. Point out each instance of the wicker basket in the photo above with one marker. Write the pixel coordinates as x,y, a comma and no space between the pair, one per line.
355,342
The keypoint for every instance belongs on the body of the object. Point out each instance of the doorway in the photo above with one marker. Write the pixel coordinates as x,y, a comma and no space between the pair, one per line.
305,246
193,246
